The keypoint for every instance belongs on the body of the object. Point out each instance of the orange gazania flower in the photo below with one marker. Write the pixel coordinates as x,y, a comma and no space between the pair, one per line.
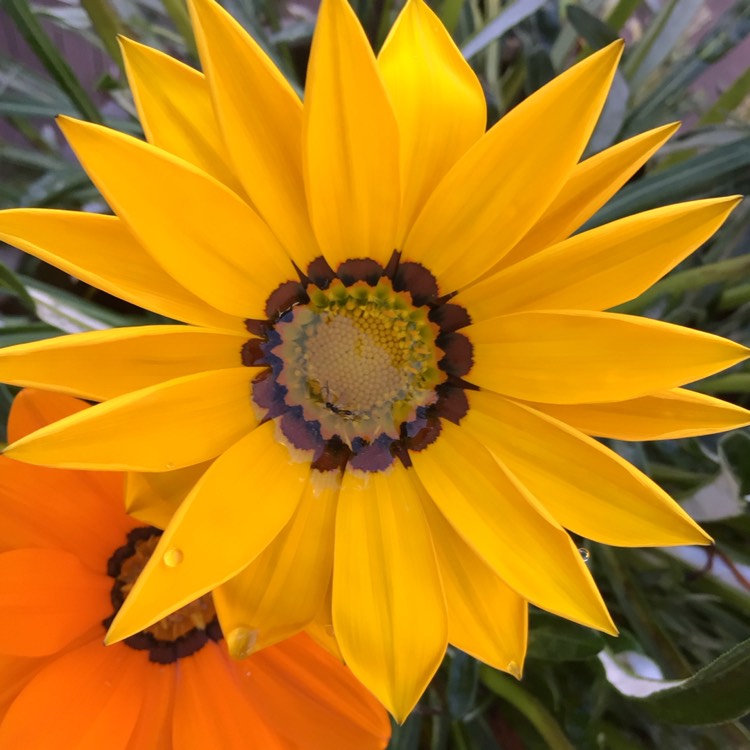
68,555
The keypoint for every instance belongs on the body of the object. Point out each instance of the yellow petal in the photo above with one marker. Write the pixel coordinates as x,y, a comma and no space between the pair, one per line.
601,268
175,110
501,522
590,185
320,629
586,487
154,497
218,530
102,252
438,102
659,416
351,142
388,607
261,120
486,618
501,186
100,365
167,426
196,228
591,357
281,591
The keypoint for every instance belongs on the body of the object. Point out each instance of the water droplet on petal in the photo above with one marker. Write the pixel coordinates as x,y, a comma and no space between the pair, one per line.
328,629
514,669
241,642
173,557
169,465
585,554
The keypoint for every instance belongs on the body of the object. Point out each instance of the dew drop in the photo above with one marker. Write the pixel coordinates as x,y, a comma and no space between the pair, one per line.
173,557
169,466
585,554
328,629
241,642
514,669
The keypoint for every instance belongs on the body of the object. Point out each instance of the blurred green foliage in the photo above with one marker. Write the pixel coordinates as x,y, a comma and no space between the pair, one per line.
684,615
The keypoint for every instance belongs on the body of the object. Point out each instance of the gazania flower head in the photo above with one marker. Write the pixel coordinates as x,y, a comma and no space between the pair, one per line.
68,557
379,414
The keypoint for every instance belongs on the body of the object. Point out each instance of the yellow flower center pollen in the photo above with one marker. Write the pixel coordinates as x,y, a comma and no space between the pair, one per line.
359,360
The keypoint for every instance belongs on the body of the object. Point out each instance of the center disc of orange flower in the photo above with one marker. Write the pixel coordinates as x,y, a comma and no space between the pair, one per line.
180,634
360,359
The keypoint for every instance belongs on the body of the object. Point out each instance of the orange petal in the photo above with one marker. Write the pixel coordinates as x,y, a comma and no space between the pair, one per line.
47,600
88,699
332,711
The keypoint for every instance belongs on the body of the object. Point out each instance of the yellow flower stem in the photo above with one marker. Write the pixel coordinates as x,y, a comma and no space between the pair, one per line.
688,280
511,691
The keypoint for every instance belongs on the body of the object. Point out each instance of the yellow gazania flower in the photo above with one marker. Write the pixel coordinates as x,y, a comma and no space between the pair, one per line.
68,555
395,354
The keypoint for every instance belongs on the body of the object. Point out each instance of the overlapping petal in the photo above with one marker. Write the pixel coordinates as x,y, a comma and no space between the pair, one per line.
185,421
330,708
154,497
500,187
102,252
502,523
437,99
388,605
261,124
195,227
590,185
280,592
666,415
175,110
603,267
589,357
243,501
486,618
100,365
351,143
588,488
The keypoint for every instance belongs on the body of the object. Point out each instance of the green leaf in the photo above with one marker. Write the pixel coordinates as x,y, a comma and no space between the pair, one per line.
10,282
594,31
501,24
735,450
554,639
50,57
539,69
718,693
698,176
463,680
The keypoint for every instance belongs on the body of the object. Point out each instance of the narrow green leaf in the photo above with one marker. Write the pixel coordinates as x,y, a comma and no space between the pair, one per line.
539,69
728,101
500,25
531,707
10,282
463,679
594,31
50,56
718,693
705,174
107,26
735,449
554,639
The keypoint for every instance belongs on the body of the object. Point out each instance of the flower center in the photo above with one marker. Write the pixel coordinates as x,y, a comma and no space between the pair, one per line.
180,634
362,362
359,360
